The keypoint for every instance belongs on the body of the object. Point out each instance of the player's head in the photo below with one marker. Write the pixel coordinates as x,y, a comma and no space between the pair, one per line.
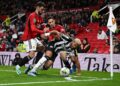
17,55
51,21
40,8
76,42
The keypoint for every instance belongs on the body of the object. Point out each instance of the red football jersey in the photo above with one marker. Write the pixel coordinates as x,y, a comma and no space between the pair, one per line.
32,27
59,28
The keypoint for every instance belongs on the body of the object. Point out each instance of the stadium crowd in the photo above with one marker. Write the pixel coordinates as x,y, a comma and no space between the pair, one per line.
15,6
74,22
12,7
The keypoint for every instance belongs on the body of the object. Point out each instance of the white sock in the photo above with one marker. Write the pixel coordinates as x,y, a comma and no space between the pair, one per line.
39,63
41,67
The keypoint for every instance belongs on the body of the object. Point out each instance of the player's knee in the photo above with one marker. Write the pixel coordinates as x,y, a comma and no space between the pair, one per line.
47,65
63,54
48,53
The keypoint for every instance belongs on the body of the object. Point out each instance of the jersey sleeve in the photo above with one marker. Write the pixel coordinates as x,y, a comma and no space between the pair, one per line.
66,37
33,26
62,30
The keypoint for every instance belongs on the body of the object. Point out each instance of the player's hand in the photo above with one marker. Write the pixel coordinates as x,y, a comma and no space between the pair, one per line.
46,29
43,36
54,32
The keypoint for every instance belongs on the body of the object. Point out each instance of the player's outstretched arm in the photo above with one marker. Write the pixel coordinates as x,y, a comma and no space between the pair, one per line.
53,32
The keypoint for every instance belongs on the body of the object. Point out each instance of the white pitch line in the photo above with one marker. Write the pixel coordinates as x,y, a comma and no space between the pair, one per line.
69,79
44,82
83,76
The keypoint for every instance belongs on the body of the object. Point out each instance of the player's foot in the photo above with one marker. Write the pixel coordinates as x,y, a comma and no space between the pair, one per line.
18,71
27,69
32,73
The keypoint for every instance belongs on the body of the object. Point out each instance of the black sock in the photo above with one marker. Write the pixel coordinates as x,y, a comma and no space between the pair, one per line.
25,60
67,64
38,56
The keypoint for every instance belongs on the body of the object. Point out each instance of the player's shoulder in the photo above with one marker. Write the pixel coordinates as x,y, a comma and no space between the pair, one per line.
32,14
59,26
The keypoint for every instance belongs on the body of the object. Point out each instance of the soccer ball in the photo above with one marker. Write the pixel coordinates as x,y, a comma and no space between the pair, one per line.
64,72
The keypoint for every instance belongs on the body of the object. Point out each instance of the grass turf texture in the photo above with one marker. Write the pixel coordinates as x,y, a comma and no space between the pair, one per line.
51,77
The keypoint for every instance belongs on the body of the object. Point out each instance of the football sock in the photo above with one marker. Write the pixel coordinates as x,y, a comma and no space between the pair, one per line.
25,60
38,56
40,62
67,64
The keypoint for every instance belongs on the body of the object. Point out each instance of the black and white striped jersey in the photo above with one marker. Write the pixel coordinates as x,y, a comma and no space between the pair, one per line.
63,44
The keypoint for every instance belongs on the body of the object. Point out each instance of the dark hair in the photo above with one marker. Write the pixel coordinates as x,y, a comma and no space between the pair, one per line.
17,54
40,4
48,25
50,17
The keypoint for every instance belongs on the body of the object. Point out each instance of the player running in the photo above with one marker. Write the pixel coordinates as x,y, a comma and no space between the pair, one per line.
32,30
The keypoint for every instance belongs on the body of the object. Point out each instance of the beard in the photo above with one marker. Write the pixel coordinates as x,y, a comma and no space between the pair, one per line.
39,13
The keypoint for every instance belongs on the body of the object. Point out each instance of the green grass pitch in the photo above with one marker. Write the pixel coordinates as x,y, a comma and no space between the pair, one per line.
51,77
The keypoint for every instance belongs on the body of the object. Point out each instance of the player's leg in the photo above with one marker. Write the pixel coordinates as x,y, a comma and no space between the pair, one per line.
48,54
63,56
45,66
38,56
31,48
40,46
72,54
77,64
25,60
40,51
73,66
49,62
